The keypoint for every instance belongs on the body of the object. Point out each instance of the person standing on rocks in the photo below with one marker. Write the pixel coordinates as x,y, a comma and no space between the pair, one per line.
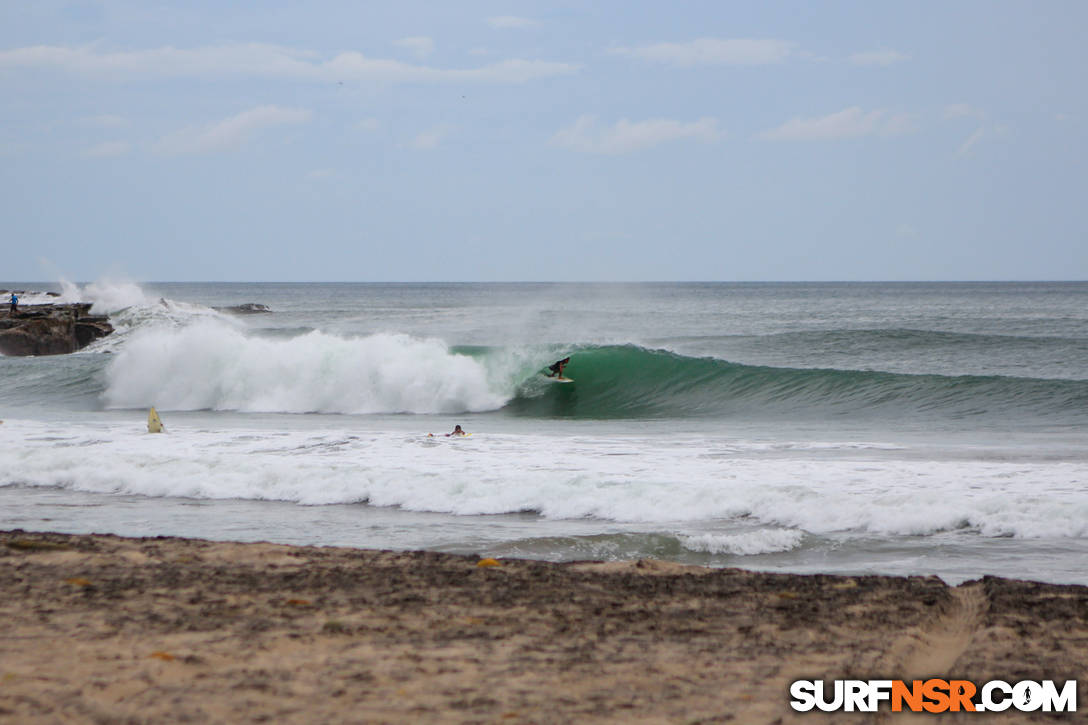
14,302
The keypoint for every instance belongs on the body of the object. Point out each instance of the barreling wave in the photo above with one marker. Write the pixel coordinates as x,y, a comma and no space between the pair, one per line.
211,365
629,382
184,356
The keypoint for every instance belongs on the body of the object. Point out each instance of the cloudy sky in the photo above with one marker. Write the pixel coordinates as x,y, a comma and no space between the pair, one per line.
388,141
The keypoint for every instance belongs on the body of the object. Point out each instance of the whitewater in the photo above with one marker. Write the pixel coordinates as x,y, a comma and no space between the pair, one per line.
861,428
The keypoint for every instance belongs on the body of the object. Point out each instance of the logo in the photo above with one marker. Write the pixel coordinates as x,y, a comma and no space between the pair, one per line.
933,695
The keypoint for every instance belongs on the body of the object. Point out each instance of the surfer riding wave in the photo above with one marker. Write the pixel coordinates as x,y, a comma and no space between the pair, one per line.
556,368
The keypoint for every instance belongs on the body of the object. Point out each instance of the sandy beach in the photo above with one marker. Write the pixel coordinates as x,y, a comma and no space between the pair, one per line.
105,629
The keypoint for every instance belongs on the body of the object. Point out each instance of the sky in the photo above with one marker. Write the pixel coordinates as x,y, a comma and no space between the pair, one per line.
566,141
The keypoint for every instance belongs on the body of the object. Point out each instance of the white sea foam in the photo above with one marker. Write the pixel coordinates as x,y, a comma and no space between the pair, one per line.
31,298
761,541
213,365
562,478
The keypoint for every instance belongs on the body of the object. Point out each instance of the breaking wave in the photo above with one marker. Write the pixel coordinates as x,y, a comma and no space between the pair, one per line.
210,365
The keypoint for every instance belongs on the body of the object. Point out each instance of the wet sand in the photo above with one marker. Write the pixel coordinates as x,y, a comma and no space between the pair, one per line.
106,629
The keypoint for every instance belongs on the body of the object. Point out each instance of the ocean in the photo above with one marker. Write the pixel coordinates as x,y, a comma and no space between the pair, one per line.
894,428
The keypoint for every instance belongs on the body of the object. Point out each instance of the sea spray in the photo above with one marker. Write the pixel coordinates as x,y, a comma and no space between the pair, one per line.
760,541
106,296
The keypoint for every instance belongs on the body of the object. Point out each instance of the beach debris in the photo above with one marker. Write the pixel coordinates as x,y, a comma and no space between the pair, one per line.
298,603
334,626
160,655
488,562
78,581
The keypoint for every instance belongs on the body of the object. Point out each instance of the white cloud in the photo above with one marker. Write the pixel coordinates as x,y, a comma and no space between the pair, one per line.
421,45
510,21
878,57
230,133
847,123
973,139
713,51
246,59
587,136
107,149
963,110
429,139
990,133
265,61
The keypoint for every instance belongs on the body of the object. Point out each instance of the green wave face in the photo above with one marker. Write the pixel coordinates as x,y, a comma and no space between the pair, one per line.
632,382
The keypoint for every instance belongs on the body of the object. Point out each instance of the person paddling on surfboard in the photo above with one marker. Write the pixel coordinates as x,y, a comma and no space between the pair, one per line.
457,433
556,368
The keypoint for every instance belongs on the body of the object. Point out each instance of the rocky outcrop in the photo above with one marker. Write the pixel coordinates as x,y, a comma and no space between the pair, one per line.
249,308
49,329
6,293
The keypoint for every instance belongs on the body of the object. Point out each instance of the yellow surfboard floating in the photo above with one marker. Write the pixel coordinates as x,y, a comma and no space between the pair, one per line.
154,423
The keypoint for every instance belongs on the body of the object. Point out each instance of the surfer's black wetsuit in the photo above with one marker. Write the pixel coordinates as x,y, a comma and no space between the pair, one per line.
557,367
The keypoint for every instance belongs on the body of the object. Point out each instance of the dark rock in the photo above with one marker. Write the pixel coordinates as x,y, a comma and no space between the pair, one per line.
89,329
49,329
249,308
